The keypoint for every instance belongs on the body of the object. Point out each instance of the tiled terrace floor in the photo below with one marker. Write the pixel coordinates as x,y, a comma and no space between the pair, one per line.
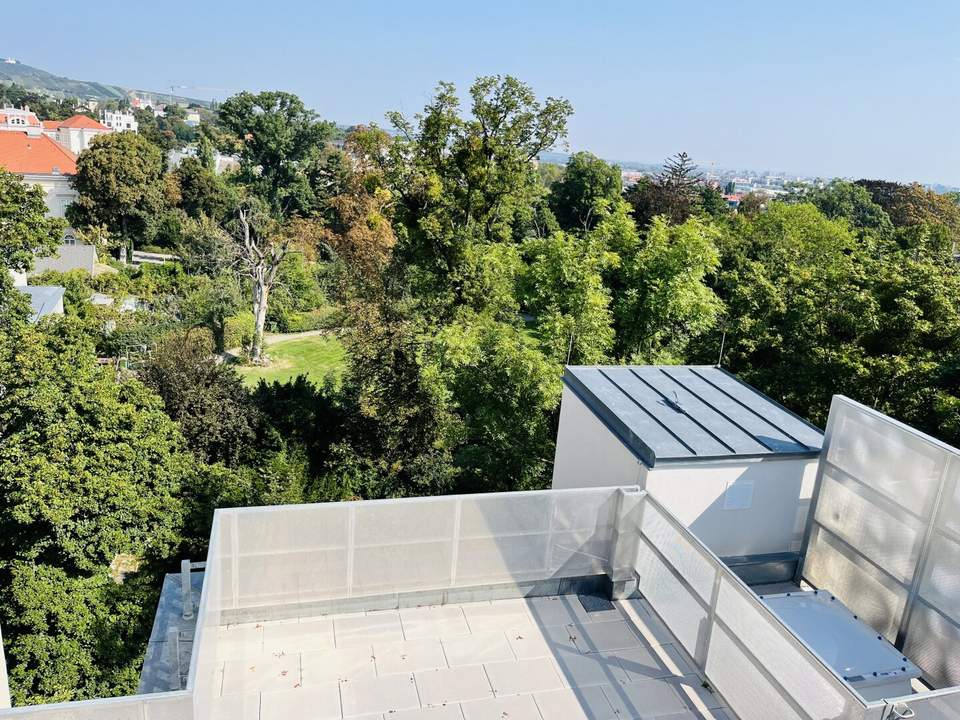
536,659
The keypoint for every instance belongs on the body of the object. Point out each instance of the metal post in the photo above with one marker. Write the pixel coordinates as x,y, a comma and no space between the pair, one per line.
625,541
4,683
186,589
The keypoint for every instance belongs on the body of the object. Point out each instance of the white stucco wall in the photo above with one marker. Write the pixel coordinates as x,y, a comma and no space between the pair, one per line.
740,507
588,454
764,512
59,191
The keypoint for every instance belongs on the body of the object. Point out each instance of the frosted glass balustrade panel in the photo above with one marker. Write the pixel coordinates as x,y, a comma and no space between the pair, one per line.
748,692
799,674
941,582
686,557
875,597
674,602
289,554
161,706
871,523
932,642
581,532
403,546
886,456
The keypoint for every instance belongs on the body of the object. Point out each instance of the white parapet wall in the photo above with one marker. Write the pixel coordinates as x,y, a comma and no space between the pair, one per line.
737,506
740,507
588,454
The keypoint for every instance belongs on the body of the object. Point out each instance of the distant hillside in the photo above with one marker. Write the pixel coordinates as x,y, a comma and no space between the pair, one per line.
14,71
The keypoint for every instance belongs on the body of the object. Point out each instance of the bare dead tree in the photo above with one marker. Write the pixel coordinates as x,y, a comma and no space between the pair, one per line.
262,248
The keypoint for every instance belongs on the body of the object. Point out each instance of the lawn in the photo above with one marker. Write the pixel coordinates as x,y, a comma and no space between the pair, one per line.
315,356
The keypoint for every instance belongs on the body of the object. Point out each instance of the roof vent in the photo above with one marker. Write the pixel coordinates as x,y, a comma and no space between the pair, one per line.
675,402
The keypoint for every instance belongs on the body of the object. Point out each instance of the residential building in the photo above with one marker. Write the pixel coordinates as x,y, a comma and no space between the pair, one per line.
45,300
69,255
193,118
119,120
41,161
587,603
705,444
75,133
22,120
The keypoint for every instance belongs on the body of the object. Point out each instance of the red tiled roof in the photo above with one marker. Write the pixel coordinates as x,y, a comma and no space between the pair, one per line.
50,124
26,155
81,121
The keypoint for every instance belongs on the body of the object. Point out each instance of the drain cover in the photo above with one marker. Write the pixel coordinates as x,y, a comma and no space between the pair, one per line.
593,603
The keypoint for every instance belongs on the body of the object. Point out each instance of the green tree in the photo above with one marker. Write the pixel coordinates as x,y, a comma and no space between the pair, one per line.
586,181
25,229
847,200
793,282
201,191
665,302
120,185
76,446
505,393
562,286
458,181
674,192
206,398
280,143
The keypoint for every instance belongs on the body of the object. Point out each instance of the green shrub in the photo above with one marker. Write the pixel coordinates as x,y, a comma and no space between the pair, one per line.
238,331
320,319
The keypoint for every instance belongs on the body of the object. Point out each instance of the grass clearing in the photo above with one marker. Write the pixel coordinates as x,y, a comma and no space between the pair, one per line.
316,356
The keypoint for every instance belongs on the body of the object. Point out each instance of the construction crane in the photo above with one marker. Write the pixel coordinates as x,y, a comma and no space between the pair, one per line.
205,88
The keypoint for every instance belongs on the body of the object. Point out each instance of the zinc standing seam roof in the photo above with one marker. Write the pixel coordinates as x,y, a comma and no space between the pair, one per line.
676,413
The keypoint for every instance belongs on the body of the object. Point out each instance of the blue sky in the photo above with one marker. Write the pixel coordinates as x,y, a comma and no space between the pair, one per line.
844,88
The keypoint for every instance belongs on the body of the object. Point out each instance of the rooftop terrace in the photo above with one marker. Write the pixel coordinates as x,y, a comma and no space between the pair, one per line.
492,606
523,659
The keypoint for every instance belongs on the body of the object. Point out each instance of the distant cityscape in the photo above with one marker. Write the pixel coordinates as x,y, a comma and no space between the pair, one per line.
732,181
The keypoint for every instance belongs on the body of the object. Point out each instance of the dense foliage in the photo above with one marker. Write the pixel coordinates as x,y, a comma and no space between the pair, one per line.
460,275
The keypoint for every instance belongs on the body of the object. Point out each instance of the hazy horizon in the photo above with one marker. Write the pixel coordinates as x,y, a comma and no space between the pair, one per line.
862,90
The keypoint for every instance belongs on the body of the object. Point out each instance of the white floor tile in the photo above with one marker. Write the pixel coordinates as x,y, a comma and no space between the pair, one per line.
554,610
297,637
261,674
235,643
386,694
605,636
477,649
453,685
408,656
585,670
435,621
644,662
444,712
643,617
645,699
364,629
517,707
691,687
523,676
236,707
351,663
500,614
589,703
316,703
528,643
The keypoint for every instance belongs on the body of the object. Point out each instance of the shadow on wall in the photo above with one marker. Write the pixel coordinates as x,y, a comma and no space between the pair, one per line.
760,512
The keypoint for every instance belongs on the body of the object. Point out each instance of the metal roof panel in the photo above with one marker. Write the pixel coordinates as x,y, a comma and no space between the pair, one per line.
681,413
